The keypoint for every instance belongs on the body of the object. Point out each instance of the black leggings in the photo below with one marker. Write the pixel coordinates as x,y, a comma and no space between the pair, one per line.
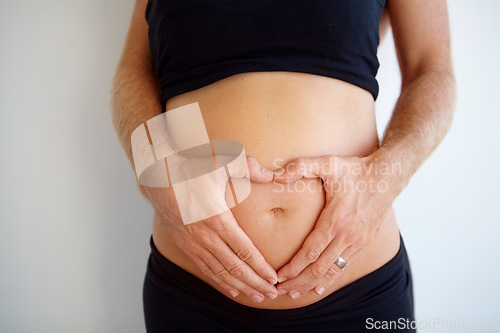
176,301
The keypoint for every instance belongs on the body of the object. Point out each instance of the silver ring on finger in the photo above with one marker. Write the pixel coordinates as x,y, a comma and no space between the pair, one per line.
340,262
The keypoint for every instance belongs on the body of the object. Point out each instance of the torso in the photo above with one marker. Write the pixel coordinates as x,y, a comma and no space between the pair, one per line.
280,116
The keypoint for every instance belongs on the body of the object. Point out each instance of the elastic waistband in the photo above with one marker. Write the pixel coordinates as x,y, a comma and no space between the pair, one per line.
369,294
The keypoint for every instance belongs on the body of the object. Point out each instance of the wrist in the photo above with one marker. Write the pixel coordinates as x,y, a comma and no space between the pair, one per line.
394,168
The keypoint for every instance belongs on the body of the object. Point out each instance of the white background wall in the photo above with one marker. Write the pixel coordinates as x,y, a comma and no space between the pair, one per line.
74,231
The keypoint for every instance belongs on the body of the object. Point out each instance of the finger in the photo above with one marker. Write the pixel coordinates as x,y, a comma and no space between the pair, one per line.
207,270
331,276
333,271
258,173
352,258
313,246
309,167
236,259
321,272
337,249
213,268
303,283
243,246
239,270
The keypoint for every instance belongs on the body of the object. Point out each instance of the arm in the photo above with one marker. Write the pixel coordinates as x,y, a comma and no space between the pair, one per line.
421,118
217,245
135,89
425,108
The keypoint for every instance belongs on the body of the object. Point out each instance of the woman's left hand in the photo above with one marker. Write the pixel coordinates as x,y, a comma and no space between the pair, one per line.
359,193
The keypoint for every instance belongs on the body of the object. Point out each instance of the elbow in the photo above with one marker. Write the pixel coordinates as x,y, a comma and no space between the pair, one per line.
428,70
437,82
439,76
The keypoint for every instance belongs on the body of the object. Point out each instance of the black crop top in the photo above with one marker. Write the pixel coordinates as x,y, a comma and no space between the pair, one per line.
197,42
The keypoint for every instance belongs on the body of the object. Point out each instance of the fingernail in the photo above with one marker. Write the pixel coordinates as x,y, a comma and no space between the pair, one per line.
282,291
233,293
320,290
295,294
271,295
271,281
281,279
257,298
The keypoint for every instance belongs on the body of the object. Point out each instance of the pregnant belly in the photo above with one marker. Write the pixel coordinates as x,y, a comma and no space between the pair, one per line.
278,217
280,116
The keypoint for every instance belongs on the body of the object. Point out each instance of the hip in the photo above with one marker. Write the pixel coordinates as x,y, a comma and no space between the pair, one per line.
277,117
279,238
176,301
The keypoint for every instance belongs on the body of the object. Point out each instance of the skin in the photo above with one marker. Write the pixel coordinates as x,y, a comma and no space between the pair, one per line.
422,116
135,99
420,120
275,124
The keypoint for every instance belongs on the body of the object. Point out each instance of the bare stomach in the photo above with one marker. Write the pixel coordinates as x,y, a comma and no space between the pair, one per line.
280,116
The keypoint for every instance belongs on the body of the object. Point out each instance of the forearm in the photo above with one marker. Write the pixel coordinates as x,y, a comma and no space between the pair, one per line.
135,89
135,100
421,118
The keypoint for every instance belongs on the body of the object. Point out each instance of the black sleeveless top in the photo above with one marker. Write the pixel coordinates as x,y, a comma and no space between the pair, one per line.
197,42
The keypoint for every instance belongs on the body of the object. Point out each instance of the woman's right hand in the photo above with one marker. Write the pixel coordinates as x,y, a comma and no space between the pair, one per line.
217,245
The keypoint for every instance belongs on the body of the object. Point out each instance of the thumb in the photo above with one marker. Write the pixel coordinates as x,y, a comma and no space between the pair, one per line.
258,173
308,167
